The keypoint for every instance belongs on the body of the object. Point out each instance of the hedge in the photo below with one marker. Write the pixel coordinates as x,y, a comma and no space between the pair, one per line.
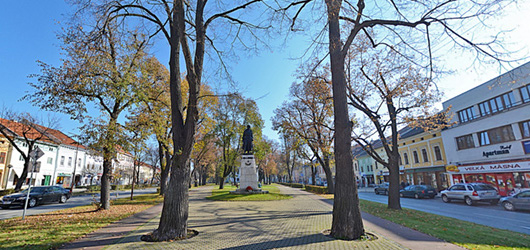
6,192
295,185
316,189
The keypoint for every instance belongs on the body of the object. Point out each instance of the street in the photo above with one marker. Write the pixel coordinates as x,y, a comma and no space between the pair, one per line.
74,201
482,213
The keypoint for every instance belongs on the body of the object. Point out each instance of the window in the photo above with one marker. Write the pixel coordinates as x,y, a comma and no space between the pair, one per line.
62,160
406,158
69,161
50,149
484,138
424,154
50,160
356,168
399,160
496,135
466,115
21,158
497,104
362,169
525,129
464,142
415,155
2,157
437,153
525,93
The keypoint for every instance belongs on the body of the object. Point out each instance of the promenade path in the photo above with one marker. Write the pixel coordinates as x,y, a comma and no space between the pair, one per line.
296,223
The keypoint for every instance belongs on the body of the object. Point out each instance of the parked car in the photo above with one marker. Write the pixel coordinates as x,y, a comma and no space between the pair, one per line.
519,201
418,191
471,193
38,195
381,188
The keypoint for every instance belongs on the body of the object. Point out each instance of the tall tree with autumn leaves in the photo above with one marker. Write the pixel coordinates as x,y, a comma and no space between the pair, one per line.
108,71
308,114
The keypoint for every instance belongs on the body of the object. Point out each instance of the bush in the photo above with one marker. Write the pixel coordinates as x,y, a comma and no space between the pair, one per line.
93,188
6,192
316,189
294,185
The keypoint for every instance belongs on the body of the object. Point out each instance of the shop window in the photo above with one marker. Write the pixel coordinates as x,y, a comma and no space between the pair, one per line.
424,155
464,142
525,128
525,93
437,153
415,155
406,157
496,135
466,115
2,158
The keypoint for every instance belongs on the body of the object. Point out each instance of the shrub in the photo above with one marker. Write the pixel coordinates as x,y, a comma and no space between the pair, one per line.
6,192
316,189
94,188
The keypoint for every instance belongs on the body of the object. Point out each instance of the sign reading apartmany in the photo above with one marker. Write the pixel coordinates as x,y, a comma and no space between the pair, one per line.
490,168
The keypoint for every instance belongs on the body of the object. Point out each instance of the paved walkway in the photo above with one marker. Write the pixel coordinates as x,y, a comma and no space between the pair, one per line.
286,224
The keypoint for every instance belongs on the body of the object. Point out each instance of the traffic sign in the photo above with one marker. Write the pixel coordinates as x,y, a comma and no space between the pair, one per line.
36,153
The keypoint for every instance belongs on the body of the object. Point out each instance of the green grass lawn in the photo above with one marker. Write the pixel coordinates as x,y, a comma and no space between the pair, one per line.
462,233
225,195
51,230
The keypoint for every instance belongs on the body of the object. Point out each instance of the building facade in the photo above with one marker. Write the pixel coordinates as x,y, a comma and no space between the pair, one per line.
423,158
489,140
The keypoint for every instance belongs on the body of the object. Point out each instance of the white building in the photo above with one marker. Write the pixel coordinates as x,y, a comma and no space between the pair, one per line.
43,173
490,139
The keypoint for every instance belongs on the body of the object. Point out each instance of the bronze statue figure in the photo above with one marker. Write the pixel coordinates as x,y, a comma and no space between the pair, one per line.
247,141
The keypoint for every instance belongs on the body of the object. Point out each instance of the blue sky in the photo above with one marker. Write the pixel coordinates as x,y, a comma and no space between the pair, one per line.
28,33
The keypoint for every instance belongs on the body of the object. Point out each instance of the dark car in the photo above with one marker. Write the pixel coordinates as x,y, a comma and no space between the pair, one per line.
38,195
381,188
519,201
418,191
471,193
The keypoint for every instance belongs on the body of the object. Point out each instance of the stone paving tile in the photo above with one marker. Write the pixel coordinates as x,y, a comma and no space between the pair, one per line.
286,224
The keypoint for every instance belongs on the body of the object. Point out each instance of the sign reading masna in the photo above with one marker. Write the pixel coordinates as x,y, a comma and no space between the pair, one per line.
489,168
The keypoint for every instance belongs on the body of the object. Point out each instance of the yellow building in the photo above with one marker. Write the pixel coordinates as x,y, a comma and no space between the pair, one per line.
5,148
422,158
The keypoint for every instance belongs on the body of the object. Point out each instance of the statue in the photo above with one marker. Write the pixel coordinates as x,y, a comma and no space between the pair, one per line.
247,141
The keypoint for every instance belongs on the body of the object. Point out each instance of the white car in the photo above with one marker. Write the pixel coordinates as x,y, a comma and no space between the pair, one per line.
471,193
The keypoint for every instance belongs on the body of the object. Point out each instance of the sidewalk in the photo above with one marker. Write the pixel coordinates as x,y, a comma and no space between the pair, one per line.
286,224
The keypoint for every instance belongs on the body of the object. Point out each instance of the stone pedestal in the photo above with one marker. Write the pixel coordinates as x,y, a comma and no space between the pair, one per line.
248,176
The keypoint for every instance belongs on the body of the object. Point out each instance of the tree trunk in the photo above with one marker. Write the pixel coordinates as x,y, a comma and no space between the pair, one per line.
329,178
393,162
221,182
24,174
105,183
173,221
164,174
313,175
347,222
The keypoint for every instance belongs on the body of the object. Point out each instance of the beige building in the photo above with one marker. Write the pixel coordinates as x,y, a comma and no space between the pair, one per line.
423,158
